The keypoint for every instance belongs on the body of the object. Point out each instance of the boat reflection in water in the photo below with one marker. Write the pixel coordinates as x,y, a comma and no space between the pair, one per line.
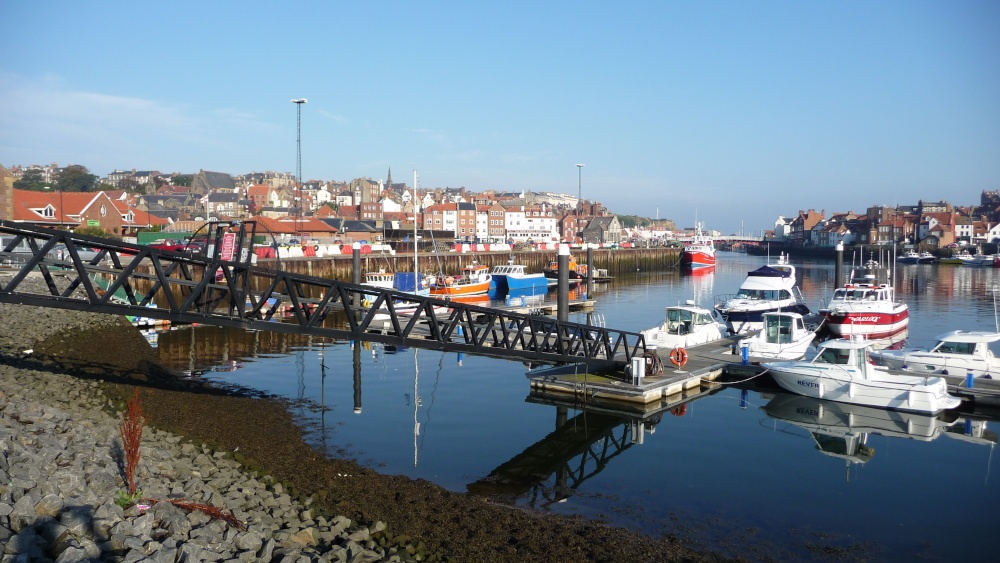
841,430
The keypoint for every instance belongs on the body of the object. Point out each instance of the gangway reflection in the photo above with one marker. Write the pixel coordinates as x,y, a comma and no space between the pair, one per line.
842,430
553,469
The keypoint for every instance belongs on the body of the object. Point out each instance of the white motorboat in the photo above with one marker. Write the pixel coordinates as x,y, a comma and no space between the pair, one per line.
683,326
927,258
843,372
910,257
866,306
979,260
957,352
784,336
768,288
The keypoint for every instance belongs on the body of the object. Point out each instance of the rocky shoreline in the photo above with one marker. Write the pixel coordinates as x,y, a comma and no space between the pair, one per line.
64,376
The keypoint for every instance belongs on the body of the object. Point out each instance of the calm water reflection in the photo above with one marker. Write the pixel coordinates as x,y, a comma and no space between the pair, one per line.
737,466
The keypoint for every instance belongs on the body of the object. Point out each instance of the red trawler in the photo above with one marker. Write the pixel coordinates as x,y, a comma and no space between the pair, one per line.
700,252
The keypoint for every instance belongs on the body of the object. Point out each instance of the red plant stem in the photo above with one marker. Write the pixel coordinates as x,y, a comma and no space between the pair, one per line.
131,434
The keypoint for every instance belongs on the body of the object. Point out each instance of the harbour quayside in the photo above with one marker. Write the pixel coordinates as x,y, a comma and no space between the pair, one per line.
766,289
842,371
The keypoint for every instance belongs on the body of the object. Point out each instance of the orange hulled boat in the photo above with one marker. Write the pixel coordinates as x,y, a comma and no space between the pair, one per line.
474,280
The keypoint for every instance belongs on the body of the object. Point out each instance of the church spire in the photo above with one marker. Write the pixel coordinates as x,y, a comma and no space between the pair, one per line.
388,181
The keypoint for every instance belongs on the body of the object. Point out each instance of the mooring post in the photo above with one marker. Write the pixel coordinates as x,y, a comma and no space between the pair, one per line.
356,274
590,271
357,376
562,306
838,268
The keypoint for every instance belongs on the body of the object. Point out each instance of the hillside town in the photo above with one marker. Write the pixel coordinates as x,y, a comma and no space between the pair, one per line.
930,224
127,202
137,200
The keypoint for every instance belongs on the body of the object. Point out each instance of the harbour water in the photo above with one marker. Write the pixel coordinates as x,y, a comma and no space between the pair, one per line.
741,471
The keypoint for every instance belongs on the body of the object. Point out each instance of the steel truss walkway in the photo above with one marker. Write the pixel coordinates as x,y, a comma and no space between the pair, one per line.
221,286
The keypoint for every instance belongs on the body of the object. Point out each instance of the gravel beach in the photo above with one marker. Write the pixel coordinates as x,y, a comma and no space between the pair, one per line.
64,379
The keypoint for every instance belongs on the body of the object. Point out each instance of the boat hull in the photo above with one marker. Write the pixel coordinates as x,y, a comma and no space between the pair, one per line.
697,259
937,364
467,289
870,324
835,383
531,284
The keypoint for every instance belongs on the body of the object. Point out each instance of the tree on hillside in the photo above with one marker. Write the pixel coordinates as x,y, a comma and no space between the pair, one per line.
76,178
32,179
182,180
128,184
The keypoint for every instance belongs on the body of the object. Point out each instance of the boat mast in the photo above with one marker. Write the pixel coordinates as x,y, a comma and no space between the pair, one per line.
416,208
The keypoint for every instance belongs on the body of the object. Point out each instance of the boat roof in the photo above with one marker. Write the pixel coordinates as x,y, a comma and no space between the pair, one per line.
846,343
689,306
782,314
970,336
772,272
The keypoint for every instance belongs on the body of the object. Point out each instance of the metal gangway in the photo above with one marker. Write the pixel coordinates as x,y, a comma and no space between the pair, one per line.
223,286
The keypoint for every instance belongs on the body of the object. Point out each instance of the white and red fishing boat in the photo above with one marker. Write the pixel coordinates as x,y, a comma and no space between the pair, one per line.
866,306
474,280
700,252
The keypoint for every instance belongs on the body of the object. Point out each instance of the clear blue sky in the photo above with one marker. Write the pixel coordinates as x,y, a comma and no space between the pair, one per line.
735,111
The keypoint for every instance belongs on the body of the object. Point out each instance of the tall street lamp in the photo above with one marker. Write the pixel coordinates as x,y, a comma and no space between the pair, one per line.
579,198
579,185
298,154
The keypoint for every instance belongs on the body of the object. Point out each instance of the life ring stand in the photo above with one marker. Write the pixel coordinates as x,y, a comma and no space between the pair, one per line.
679,410
678,357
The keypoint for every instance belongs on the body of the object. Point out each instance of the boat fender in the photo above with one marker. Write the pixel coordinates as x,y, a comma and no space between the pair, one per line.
678,356
449,280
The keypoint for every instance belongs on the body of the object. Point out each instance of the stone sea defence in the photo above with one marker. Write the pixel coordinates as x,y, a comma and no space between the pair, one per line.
61,474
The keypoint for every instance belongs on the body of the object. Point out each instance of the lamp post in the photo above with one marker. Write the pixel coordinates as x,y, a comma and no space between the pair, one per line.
579,198
579,186
298,156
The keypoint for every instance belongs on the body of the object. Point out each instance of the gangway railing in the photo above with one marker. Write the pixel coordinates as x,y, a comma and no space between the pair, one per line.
222,286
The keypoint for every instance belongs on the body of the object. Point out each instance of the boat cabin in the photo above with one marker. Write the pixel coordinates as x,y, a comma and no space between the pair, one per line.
844,352
863,293
782,328
683,319
508,270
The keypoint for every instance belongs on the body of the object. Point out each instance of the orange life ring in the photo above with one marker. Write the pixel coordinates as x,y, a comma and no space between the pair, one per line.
679,410
678,356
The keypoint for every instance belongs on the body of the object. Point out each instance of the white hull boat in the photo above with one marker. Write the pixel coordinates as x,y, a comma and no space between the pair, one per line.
843,372
956,353
683,326
784,336
768,288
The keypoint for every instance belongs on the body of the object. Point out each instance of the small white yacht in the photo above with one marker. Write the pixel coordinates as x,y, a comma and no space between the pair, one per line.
768,288
957,352
784,336
843,372
685,325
